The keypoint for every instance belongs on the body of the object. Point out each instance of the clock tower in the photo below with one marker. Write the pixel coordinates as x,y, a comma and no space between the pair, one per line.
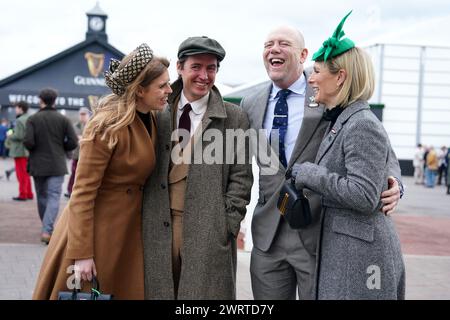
96,23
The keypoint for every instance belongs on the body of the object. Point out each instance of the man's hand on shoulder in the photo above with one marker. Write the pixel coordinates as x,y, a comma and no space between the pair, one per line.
390,197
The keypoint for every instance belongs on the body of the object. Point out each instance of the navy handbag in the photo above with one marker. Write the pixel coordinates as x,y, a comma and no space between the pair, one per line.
294,206
95,294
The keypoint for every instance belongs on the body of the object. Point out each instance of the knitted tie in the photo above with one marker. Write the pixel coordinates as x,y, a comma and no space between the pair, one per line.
185,120
280,122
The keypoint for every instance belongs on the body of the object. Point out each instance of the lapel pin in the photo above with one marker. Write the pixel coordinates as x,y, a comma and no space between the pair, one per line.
312,102
333,131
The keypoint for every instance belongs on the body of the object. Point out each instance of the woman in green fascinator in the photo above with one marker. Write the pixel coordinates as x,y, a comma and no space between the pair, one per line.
360,255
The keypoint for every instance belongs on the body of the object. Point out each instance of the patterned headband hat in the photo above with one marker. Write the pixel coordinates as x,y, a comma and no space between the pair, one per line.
335,45
118,79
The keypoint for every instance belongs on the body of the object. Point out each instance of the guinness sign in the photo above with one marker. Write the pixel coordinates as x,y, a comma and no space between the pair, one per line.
95,62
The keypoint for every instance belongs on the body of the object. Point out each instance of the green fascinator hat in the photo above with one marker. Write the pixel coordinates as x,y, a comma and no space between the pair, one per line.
335,45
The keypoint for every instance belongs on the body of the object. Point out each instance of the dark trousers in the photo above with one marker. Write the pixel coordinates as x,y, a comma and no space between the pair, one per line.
2,149
442,173
23,178
72,177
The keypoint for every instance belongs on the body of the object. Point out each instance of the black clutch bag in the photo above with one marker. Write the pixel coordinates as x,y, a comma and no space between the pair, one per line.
294,206
77,295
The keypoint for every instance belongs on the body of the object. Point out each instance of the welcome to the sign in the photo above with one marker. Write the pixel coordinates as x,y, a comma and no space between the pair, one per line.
61,101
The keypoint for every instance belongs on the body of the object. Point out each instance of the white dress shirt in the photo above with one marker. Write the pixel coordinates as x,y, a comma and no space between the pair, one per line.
196,114
296,104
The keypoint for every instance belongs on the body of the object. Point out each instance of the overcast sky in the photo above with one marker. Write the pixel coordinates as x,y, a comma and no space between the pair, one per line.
31,31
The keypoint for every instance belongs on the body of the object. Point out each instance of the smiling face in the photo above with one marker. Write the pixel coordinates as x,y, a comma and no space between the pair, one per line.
284,55
325,84
154,96
198,74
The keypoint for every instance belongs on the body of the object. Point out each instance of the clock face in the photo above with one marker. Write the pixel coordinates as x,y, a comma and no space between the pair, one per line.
96,23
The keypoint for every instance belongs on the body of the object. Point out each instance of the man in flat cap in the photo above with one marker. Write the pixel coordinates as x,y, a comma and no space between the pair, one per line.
192,208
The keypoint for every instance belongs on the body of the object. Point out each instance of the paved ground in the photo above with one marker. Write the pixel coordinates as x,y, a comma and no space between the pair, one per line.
422,220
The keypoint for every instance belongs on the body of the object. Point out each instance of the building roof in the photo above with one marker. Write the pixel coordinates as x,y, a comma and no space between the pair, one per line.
76,73
61,55
97,11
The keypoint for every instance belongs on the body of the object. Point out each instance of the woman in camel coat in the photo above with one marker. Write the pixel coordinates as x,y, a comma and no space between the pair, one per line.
99,232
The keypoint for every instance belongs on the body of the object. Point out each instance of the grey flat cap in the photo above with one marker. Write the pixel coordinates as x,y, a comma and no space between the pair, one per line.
197,45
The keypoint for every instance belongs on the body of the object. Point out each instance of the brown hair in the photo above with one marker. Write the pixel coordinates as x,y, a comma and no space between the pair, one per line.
24,106
114,112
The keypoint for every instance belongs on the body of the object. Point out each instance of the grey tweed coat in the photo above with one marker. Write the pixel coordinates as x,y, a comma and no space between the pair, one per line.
215,203
360,255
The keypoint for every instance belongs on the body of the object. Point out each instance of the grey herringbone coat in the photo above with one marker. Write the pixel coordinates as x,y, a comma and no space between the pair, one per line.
360,255
215,203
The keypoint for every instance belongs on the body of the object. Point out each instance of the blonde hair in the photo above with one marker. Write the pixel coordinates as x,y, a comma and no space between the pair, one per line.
360,81
114,112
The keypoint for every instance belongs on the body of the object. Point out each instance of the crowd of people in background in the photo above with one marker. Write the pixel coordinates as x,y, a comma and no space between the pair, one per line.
40,145
431,166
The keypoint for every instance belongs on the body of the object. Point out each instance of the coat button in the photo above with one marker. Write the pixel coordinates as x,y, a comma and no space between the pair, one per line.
166,224
129,191
167,147
163,186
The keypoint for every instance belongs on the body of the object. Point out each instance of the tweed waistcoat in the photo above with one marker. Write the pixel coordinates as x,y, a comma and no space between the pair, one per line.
177,177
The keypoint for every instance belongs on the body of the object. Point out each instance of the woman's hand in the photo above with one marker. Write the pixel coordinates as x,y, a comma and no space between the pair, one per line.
296,168
85,269
390,197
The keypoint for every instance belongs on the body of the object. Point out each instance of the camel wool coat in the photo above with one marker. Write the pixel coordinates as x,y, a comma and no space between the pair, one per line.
103,217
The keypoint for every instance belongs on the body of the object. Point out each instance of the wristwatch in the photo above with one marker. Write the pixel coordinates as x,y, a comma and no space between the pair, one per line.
401,187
